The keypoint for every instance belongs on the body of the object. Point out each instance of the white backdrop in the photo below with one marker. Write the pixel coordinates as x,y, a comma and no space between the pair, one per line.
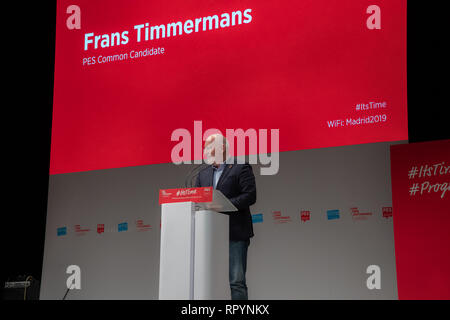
315,259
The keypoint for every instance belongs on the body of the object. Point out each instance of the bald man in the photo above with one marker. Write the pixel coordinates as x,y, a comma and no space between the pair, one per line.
237,183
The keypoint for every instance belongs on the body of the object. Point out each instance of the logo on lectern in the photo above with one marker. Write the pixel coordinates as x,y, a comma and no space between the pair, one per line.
201,194
186,192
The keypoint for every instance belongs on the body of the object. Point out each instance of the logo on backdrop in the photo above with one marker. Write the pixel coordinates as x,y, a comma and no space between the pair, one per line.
79,231
333,214
305,215
257,218
202,194
140,226
278,218
122,226
356,215
62,231
387,212
100,228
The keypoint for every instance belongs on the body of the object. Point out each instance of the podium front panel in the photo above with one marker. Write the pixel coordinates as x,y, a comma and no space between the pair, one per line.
211,256
177,251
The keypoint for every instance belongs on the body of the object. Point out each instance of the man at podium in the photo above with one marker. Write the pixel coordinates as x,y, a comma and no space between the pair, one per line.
237,183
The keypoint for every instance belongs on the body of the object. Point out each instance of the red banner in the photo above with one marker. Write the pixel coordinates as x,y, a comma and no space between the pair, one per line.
128,73
421,211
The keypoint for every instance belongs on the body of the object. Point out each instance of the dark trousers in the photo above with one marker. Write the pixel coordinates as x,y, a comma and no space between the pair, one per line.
238,267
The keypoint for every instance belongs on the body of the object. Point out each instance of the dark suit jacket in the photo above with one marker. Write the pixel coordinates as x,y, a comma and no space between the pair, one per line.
237,183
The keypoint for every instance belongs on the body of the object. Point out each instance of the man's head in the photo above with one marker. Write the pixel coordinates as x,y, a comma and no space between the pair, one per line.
216,149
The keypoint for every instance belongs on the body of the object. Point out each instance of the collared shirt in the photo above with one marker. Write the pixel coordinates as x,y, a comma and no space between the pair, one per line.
217,172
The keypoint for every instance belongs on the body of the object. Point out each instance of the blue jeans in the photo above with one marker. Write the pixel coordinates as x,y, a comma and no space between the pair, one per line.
238,267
